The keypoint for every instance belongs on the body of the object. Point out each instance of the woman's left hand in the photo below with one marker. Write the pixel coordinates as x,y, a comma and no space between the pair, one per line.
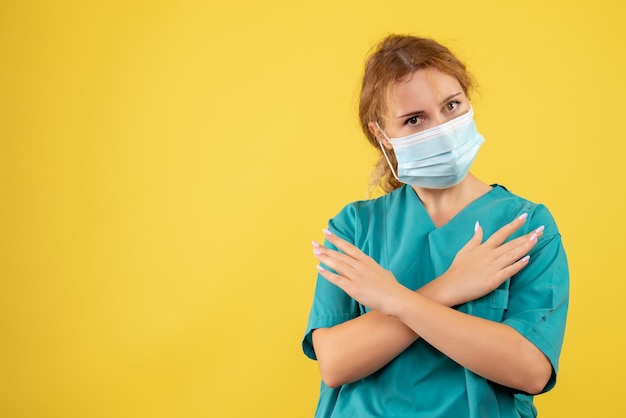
358,275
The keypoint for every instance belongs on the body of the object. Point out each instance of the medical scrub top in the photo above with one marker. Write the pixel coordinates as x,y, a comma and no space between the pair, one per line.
398,233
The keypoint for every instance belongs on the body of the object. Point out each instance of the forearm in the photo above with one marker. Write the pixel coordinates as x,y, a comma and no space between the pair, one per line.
359,347
490,349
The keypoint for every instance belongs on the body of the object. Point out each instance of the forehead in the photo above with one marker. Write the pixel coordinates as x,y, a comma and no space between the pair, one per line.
422,90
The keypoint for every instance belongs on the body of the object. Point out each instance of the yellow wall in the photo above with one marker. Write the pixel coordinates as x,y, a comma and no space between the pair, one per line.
164,166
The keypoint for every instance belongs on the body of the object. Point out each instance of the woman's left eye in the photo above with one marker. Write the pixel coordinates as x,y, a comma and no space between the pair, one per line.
452,105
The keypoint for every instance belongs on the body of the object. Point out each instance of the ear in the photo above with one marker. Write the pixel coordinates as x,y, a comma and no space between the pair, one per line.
378,134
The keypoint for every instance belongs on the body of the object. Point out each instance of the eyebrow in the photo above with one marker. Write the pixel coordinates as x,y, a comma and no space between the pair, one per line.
417,112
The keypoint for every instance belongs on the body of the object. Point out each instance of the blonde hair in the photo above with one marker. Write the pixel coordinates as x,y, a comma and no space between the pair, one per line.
396,57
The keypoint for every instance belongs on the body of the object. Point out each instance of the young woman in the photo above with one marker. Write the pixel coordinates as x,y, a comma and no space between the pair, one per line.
445,297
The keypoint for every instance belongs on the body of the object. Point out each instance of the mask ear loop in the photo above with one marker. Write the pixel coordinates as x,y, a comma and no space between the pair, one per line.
382,148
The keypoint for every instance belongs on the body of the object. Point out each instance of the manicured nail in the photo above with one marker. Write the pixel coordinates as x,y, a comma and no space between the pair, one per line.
316,251
316,244
525,259
326,232
540,229
533,237
320,268
522,217
476,226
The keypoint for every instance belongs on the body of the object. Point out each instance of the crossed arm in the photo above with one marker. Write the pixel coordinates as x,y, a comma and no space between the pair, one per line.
356,348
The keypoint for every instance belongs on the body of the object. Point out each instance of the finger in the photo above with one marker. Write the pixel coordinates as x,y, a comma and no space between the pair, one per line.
506,231
341,263
536,234
344,245
513,269
476,239
516,253
333,278
521,244
344,264
319,249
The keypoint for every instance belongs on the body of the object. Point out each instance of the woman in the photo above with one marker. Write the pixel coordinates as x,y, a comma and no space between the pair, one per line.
415,314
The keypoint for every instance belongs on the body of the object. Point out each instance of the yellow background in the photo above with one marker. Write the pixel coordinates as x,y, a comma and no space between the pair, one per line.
164,166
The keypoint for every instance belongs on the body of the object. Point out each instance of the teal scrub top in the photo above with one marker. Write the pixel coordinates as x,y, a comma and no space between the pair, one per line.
398,233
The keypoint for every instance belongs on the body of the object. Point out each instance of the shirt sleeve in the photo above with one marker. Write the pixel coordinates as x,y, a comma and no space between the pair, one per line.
331,305
539,293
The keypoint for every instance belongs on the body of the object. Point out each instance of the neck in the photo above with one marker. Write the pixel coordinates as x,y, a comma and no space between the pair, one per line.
443,204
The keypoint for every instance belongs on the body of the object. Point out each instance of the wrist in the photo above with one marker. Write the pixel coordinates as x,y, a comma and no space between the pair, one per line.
436,291
402,298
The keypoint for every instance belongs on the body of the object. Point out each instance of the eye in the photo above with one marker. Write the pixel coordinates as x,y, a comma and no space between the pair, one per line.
413,120
452,105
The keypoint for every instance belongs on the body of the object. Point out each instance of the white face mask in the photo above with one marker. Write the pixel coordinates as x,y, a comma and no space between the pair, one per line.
439,157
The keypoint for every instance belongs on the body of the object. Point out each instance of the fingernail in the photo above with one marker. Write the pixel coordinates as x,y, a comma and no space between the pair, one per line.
540,229
533,237
316,244
326,232
525,259
522,217
476,226
320,268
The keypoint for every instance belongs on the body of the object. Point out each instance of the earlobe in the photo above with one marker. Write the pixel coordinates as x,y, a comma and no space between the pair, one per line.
379,135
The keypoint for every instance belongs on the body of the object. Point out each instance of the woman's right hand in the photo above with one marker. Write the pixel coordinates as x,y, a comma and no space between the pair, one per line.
479,268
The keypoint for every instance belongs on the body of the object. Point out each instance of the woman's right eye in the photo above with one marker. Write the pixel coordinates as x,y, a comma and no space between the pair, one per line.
414,121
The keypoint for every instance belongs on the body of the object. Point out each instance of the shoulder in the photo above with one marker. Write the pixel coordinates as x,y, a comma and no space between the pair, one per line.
514,205
370,209
349,222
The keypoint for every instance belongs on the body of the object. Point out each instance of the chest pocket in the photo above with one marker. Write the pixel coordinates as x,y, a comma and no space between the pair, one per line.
491,306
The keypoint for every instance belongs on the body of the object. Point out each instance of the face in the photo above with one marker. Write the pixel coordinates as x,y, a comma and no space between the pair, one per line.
423,100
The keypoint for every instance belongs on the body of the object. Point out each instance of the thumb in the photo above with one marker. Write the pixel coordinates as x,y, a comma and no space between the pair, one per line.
476,240
478,234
